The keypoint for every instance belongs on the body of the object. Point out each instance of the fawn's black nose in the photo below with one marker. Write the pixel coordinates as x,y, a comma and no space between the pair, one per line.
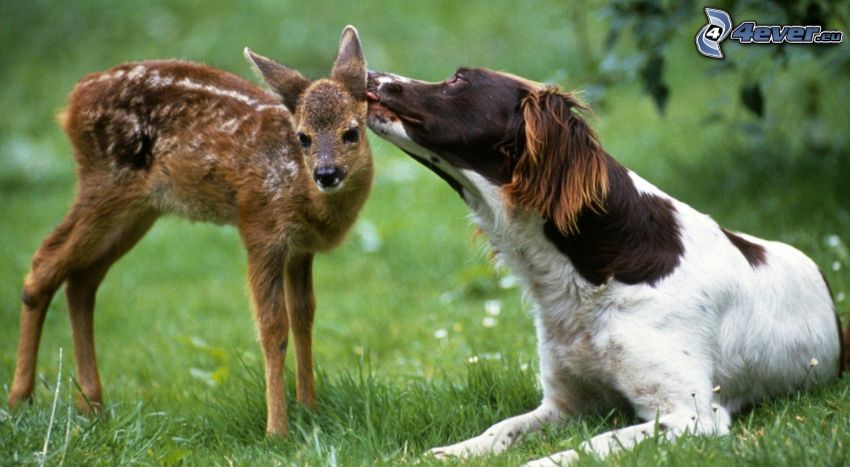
328,177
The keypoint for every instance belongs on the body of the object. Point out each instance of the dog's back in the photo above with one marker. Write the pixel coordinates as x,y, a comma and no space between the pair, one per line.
791,315
763,309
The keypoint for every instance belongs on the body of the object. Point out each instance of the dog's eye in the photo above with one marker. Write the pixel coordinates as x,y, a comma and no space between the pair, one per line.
456,84
304,140
351,136
456,79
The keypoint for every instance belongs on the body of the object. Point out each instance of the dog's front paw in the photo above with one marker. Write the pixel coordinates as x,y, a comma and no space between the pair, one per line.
469,448
560,459
448,452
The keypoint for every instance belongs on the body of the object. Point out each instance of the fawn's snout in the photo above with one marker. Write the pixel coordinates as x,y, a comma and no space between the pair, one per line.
329,177
331,153
331,141
330,135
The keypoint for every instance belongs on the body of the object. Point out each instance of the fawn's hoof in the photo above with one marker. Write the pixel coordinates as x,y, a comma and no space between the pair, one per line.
88,406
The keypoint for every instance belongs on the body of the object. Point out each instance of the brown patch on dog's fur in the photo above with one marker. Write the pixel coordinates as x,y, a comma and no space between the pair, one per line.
561,170
634,239
754,253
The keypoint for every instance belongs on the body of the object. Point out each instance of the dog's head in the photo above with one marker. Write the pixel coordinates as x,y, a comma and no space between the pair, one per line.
524,137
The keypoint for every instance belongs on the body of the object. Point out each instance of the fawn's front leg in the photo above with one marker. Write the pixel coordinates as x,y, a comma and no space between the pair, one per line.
265,277
301,305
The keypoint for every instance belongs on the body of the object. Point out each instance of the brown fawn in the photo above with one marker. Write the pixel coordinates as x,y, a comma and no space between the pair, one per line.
290,169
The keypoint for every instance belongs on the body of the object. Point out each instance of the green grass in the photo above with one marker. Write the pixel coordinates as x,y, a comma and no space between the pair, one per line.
176,343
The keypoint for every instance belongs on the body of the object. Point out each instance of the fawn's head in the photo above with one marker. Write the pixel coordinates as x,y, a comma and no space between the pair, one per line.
330,113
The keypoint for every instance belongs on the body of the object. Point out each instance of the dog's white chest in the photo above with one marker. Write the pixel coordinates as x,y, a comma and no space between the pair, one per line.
566,308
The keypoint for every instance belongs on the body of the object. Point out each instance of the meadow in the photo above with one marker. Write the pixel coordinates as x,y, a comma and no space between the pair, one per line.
419,340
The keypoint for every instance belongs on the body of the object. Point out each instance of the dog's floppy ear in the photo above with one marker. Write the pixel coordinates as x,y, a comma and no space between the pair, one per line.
561,169
286,82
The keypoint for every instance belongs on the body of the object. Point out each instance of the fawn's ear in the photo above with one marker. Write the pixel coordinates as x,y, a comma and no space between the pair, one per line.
286,82
561,169
350,66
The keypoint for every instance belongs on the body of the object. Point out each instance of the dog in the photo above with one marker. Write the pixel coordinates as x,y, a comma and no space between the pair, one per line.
640,301
289,168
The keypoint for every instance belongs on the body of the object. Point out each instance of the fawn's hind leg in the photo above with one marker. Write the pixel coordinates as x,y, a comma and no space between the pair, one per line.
301,305
47,272
80,291
90,231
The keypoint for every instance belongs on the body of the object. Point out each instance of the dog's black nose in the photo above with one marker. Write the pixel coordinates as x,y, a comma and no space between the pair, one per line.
372,79
328,177
379,82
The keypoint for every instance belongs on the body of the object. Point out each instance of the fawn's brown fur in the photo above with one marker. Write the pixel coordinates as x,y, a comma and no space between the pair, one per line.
171,137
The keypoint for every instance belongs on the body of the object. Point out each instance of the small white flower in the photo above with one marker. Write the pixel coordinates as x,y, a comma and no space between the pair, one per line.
840,297
489,322
523,367
813,362
370,239
203,375
441,333
833,240
508,282
836,265
400,171
493,307
472,359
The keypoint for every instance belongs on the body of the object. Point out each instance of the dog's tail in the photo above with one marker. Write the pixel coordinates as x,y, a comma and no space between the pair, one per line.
843,338
845,351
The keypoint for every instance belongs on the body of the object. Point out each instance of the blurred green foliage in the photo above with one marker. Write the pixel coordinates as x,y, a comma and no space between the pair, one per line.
789,98
46,46
813,78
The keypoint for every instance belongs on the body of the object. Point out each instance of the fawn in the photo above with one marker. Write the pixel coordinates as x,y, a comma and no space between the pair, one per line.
290,169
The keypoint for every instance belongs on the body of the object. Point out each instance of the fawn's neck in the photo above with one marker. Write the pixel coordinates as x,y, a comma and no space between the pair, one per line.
331,215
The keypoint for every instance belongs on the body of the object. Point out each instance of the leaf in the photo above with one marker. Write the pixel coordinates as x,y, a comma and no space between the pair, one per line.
221,374
653,80
753,99
176,456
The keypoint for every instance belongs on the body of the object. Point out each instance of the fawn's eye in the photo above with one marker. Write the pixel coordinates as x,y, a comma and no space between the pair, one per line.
304,140
351,136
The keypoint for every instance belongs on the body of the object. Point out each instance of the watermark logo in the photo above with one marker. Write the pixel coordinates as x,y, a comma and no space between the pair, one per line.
719,28
712,34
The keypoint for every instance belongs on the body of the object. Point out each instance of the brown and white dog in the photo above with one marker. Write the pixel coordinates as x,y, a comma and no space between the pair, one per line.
639,300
